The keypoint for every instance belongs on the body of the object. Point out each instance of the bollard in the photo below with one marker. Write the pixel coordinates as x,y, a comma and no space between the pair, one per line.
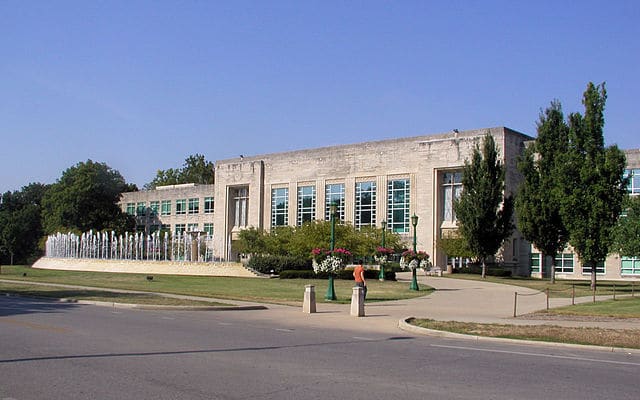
309,303
547,299
357,302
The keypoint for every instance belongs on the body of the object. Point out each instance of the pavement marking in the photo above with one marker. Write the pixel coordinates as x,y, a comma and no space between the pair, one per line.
225,323
520,353
116,312
168,318
284,330
32,325
362,338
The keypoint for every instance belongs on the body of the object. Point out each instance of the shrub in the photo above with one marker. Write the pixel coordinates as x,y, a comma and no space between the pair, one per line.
267,264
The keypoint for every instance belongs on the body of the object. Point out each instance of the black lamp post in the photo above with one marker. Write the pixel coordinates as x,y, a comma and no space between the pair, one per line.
384,229
331,293
414,280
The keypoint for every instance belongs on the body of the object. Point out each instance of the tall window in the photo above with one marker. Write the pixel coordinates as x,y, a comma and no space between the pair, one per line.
180,228
192,227
279,207
634,180
208,227
534,262
240,205
600,268
181,206
131,208
154,207
194,206
451,190
630,265
141,209
398,205
306,204
165,207
334,193
365,204
208,205
564,262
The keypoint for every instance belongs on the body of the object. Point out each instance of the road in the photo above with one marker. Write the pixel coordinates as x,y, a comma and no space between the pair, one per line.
63,351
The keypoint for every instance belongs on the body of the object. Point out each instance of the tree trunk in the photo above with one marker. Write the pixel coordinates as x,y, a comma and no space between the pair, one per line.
593,276
552,270
484,269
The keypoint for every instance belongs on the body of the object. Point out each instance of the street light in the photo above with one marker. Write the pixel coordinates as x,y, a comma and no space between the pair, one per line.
384,228
331,293
414,280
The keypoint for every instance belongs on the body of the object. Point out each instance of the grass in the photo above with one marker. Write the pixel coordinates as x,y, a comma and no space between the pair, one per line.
626,338
283,291
562,288
620,308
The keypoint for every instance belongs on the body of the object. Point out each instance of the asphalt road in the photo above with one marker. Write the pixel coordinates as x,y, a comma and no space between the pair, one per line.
64,351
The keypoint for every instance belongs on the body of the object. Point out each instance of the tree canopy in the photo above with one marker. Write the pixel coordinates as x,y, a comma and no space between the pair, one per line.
539,196
483,212
593,183
626,234
85,197
195,170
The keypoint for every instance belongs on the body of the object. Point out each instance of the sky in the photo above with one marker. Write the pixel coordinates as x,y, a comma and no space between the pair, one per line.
141,85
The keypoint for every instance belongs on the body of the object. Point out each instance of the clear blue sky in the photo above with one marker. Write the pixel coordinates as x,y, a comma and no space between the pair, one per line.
140,85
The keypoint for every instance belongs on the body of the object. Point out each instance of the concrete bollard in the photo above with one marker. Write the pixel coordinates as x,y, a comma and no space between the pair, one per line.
357,302
309,303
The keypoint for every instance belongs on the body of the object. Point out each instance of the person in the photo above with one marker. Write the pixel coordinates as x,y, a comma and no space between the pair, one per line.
358,275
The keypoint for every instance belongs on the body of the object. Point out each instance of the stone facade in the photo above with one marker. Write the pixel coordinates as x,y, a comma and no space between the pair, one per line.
246,187
186,207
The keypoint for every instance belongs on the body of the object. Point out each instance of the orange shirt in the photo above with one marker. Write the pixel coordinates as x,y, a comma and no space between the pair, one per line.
358,273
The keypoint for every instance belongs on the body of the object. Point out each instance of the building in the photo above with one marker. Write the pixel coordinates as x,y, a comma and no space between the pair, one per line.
174,208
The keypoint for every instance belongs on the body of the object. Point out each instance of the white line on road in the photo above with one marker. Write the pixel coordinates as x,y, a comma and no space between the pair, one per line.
536,355
284,330
363,338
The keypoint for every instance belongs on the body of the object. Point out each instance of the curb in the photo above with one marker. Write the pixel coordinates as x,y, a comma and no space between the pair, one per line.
406,326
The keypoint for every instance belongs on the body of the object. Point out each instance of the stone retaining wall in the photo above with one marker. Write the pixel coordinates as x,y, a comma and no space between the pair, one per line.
145,267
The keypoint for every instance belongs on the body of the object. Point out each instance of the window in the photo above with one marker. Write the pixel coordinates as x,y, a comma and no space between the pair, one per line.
306,204
179,228
334,193
194,206
451,190
365,204
154,207
165,207
141,209
630,265
208,205
192,227
534,263
181,206
279,207
564,263
634,180
131,208
398,205
600,269
240,203
208,227
165,227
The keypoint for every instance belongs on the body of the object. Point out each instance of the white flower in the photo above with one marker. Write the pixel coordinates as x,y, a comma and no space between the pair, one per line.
414,264
329,264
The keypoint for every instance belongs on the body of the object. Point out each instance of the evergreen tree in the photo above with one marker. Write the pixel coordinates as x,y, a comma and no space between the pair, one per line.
484,213
593,182
539,196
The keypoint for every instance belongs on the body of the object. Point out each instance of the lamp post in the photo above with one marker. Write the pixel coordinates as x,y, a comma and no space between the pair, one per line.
414,280
384,228
331,293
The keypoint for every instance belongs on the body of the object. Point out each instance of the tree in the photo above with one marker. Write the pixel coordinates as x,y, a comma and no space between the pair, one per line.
195,170
594,187
539,197
484,213
626,234
20,224
85,197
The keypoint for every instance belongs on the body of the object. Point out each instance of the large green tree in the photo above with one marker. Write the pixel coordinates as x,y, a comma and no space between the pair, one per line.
85,197
593,182
626,235
484,212
20,224
196,169
539,196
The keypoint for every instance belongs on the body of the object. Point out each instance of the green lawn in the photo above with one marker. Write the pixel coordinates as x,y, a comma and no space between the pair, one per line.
562,288
287,291
619,308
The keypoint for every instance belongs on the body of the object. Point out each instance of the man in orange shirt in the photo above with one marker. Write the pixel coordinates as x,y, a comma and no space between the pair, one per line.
358,274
